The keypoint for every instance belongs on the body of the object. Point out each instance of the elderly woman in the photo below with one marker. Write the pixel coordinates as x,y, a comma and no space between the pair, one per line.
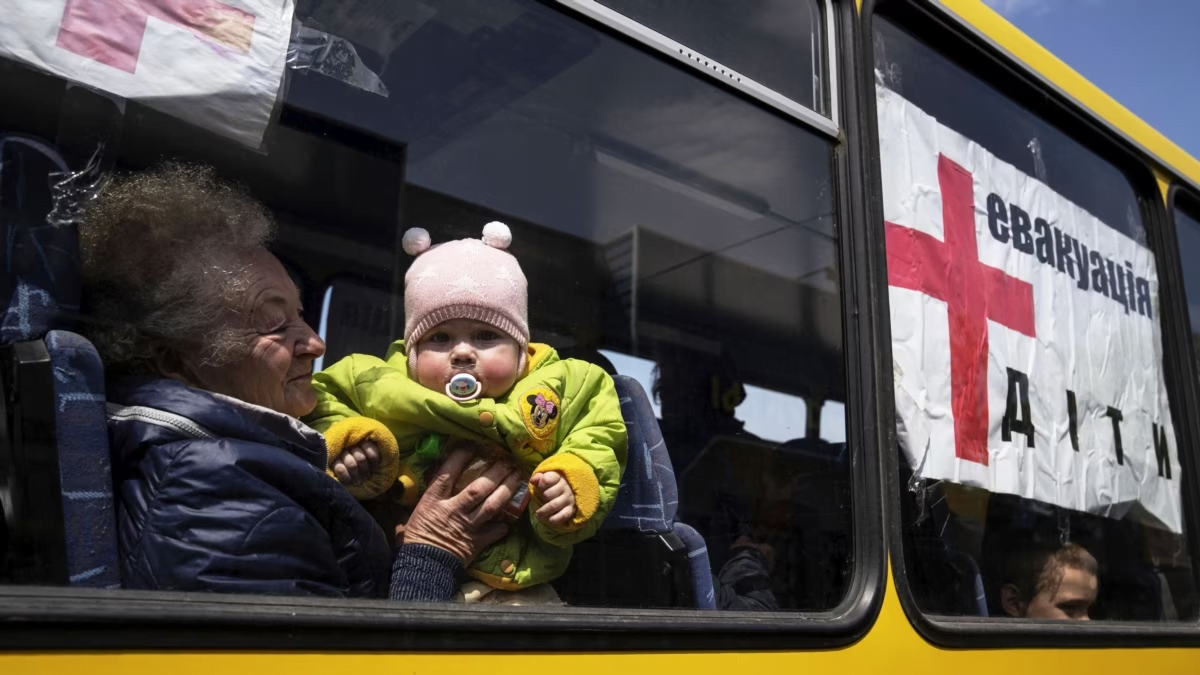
219,486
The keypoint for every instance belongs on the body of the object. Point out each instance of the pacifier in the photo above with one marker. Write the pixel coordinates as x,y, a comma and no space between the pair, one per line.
463,387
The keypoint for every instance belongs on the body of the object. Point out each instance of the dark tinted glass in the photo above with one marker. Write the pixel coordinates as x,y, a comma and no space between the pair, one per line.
659,219
775,42
655,216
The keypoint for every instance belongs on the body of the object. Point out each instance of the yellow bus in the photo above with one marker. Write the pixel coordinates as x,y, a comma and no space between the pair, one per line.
897,301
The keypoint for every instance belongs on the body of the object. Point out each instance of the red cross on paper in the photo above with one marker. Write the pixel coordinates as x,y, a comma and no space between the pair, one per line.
111,31
973,293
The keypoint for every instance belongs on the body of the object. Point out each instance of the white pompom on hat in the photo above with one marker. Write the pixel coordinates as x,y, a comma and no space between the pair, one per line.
415,241
465,279
497,235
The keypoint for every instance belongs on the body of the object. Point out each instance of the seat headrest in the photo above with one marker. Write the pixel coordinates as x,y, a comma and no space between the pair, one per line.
648,497
40,281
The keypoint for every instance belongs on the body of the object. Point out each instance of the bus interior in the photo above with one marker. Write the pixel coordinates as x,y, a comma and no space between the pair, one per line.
669,230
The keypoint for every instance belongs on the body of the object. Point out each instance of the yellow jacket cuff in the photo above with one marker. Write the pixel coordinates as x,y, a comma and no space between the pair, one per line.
354,430
582,479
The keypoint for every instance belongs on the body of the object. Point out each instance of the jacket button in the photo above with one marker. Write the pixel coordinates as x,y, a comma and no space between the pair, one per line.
486,419
507,566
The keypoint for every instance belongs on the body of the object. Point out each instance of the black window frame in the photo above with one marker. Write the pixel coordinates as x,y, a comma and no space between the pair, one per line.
1177,192
937,27
64,618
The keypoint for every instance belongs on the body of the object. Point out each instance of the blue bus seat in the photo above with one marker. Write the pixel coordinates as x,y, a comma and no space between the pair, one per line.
648,497
698,565
946,580
85,474
40,284
969,578
641,556
59,520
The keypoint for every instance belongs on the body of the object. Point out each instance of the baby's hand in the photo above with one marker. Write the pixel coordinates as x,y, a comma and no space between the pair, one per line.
557,497
356,463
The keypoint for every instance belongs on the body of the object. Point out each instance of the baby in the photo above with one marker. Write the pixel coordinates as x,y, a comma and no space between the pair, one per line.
466,373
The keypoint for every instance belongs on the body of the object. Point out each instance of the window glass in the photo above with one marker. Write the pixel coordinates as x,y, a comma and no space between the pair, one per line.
1033,146
668,229
772,415
639,369
833,422
1036,484
1187,228
775,42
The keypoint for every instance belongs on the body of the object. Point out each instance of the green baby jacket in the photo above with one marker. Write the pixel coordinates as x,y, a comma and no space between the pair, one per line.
561,415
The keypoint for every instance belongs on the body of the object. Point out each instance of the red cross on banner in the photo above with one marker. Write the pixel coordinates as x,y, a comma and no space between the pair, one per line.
973,292
111,31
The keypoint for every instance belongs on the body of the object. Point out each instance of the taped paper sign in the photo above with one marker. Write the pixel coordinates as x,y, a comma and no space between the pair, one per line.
215,63
1025,332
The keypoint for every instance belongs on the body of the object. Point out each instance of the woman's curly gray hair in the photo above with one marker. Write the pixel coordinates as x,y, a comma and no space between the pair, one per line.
163,256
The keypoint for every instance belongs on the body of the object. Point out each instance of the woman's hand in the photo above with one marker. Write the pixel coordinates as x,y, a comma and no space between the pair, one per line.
466,523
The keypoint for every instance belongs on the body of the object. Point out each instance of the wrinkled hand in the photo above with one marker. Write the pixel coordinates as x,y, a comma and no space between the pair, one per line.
464,523
356,463
557,498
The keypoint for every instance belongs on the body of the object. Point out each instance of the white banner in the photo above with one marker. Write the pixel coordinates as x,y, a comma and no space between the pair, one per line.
215,63
1025,332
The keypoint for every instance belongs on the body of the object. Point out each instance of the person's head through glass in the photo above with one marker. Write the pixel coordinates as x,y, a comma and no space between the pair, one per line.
1050,582
699,393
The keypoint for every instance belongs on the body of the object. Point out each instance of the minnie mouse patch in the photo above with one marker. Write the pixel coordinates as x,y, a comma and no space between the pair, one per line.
540,410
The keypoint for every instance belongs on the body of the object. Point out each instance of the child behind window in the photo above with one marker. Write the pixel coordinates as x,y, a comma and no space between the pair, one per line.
465,373
1049,582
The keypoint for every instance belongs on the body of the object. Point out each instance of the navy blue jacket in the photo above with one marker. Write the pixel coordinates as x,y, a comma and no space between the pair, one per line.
744,583
216,495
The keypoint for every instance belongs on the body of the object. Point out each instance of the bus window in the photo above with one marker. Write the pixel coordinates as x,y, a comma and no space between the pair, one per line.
681,229
1187,229
655,217
1039,465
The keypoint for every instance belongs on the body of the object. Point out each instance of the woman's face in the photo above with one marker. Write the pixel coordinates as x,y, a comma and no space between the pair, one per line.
276,372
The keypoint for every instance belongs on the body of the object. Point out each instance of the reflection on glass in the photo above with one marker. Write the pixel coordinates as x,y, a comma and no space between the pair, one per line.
969,552
777,43
669,231
639,369
683,236
772,415
985,115
833,422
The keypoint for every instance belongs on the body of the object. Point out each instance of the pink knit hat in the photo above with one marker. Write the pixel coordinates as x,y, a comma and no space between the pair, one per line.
465,279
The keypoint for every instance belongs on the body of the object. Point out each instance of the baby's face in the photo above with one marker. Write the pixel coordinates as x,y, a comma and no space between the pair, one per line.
468,346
